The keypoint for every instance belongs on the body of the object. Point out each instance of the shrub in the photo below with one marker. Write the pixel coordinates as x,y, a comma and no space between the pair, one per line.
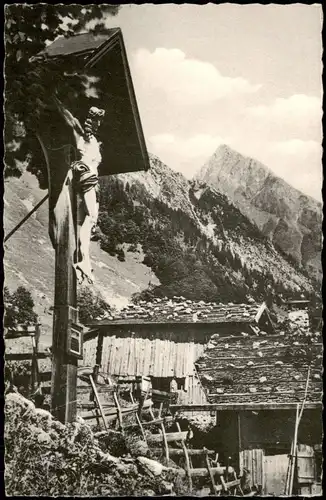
91,306
19,307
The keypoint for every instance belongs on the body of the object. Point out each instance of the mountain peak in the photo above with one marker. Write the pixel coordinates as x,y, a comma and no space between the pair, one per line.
289,218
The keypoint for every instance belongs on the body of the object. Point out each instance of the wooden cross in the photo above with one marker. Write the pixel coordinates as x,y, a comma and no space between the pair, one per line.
125,151
63,198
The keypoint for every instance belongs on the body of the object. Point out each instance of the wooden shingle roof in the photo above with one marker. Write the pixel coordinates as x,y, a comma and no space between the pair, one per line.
260,369
105,58
181,310
84,42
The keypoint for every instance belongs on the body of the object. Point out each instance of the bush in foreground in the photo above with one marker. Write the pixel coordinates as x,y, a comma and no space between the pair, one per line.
46,458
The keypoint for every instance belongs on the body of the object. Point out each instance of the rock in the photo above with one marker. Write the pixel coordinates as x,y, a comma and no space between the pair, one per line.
152,465
43,413
168,487
219,390
252,389
255,345
260,354
147,493
250,363
262,380
278,363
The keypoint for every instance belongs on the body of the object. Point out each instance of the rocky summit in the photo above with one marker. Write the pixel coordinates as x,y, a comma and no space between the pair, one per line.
290,219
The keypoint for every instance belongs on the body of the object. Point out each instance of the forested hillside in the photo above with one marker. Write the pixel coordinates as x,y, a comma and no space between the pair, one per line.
197,243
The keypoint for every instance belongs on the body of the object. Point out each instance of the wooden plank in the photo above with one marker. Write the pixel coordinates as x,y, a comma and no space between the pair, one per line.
211,475
170,360
117,405
130,354
217,471
177,452
185,353
306,467
92,395
136,358
117,359
226,485
19,335
12,356
142,356
189,471
99,350
158,360
122,354
144,359
101,389
179,360
131,363
105,363
171,436
98,401
165,443
164,347
112,411
109,346
310,405
275,471
149,357
158,421
91,406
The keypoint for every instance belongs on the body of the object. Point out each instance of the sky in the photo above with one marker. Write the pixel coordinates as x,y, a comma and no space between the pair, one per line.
248,76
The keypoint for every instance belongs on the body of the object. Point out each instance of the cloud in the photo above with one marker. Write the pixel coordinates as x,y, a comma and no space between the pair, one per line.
299,115
297,105
185,154
186,81
298,162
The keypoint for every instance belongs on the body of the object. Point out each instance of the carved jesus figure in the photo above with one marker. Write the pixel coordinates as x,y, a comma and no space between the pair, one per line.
86,174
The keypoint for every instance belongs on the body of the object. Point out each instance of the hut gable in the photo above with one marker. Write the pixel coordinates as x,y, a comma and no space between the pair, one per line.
181,310
260,369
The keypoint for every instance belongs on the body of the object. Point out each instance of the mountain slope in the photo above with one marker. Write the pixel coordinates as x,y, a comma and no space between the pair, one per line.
29,256
197,244
290,219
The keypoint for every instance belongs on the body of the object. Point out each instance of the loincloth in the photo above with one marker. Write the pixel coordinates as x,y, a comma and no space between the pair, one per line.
87,179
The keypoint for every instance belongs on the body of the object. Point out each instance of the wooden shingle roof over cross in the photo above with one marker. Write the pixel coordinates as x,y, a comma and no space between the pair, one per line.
181,310
104,58
84,43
